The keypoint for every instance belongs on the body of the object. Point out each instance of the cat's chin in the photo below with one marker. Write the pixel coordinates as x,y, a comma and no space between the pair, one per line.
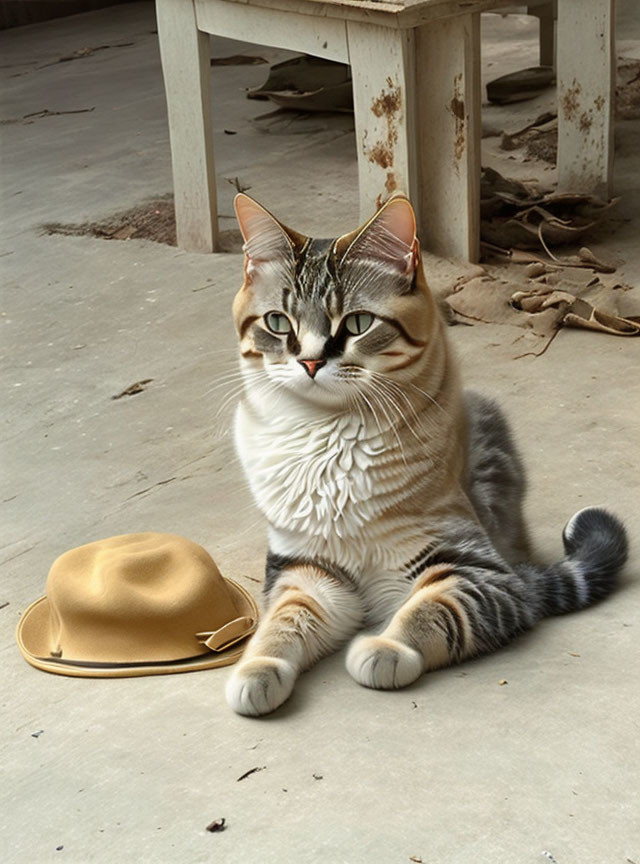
316,394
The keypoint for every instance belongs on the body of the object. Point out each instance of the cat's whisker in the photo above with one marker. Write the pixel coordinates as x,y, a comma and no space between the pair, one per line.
377,394
229,401
228,382
353,402
429,397
240,374
362,396
391,393
263,387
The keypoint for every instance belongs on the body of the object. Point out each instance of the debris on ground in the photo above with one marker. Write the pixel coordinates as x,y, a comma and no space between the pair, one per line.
542,298
81,53
216,825
518,215
238,60
536,265
521,85
539,136
133,389
152,220
250,772
308,84
574,311
628,90
36,115
238,184
318,777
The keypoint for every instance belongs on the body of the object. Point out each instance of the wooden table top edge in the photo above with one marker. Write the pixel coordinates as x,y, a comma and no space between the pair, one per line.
400,14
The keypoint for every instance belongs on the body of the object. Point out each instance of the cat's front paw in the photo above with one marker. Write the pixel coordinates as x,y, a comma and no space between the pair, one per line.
383,664
260,685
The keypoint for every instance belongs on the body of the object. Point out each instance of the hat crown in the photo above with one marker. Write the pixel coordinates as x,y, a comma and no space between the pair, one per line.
135,598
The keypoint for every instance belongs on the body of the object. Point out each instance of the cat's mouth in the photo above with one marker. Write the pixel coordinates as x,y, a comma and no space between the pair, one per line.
320,381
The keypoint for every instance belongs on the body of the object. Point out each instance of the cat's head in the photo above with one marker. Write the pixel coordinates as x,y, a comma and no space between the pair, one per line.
322,317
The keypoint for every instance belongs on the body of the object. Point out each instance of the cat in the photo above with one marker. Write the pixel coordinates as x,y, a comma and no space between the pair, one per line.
394,499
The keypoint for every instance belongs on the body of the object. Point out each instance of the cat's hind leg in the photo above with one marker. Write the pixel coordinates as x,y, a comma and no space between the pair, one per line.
428,631
496,481
467,600
311,612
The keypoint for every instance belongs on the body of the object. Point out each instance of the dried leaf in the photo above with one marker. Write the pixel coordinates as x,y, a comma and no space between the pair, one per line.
132,389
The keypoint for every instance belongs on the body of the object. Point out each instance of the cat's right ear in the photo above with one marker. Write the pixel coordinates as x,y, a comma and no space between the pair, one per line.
265,238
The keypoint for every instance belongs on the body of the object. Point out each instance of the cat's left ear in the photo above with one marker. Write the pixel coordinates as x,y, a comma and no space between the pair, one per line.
388,238
265,238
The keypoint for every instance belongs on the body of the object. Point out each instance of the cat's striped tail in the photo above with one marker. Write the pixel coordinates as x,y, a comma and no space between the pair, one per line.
596,548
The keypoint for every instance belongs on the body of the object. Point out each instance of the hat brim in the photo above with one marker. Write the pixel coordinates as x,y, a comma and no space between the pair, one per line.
33,637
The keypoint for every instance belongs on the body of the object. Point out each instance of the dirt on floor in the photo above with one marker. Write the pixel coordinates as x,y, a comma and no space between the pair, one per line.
152,220
541,138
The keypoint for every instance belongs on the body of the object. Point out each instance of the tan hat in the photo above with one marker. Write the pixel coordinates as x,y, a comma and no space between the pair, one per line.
136,604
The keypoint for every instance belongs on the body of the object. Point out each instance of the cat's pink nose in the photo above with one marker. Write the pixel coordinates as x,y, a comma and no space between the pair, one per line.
312,366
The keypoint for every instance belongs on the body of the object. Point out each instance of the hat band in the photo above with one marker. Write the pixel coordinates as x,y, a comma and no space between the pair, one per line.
142,664
228,634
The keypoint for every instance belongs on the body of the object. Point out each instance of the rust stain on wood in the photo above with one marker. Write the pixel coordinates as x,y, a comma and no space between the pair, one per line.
585,121
389,102
391,183
387,106
571,101
390,186
456,106
381,154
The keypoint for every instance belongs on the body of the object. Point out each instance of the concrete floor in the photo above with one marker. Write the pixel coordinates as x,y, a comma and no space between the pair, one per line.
457,768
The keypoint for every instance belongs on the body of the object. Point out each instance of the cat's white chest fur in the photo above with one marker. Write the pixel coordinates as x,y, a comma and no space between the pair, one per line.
312,478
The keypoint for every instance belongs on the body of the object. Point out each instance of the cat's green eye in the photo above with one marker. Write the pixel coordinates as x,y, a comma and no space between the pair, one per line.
358,323
277,322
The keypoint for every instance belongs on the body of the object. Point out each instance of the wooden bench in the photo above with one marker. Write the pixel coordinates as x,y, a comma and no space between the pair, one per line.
416,87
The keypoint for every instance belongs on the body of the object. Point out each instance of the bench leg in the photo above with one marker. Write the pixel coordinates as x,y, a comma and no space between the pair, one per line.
546,16
586,82
417,114
185,64
449,133
383,70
